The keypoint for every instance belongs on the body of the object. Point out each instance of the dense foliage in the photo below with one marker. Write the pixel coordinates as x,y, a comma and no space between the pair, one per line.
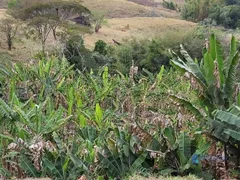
67,124
120,110
228,16
145,54
197,10
225,13
62,123
216,83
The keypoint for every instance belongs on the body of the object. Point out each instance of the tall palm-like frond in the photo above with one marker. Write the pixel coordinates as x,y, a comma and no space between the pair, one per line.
217,82
225,125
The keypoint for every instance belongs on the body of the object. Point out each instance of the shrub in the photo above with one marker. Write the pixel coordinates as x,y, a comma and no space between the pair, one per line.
84,59
77,54
208,22
226,14
101,47
229,16
197,10
169,5
12,3
152,54
156,56
231,2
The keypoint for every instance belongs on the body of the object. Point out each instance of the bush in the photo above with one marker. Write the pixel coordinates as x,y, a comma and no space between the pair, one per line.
230,16
197,10
232,2
146,54
156,56
101,47
78,55
169,5
12,3
152,54
208,22
226,15
84,59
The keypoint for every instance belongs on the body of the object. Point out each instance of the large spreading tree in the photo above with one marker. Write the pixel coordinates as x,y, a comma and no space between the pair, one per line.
46,16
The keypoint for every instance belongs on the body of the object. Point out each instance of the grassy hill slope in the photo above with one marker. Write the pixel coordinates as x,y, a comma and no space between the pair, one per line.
124,8
139,27
143,21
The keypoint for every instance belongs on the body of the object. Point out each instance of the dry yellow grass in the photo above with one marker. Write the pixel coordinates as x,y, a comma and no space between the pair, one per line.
121,13
124,8
139,27
2,13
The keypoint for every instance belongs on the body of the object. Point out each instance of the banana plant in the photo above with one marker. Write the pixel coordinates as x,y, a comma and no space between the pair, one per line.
42,119
225,125
182,152
214,75
121,156
33,120
102,85
62,161
46,78
52,75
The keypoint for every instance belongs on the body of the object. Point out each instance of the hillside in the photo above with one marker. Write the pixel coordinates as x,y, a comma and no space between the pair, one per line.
140,27
124,8
143,21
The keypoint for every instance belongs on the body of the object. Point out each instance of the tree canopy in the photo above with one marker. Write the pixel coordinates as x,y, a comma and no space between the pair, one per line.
59,9
47,15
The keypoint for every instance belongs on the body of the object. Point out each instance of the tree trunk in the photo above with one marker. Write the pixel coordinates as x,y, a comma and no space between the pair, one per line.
43,46
9,42
226,157
97,27
54,34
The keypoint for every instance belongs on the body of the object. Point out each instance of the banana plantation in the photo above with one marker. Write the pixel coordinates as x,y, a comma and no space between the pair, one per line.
62,123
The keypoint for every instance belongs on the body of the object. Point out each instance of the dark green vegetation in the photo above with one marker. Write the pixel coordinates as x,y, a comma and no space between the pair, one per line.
145,54
119,110
220,12
170,5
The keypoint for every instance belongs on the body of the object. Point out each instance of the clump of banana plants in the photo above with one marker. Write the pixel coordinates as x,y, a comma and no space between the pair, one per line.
217,87
214,76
